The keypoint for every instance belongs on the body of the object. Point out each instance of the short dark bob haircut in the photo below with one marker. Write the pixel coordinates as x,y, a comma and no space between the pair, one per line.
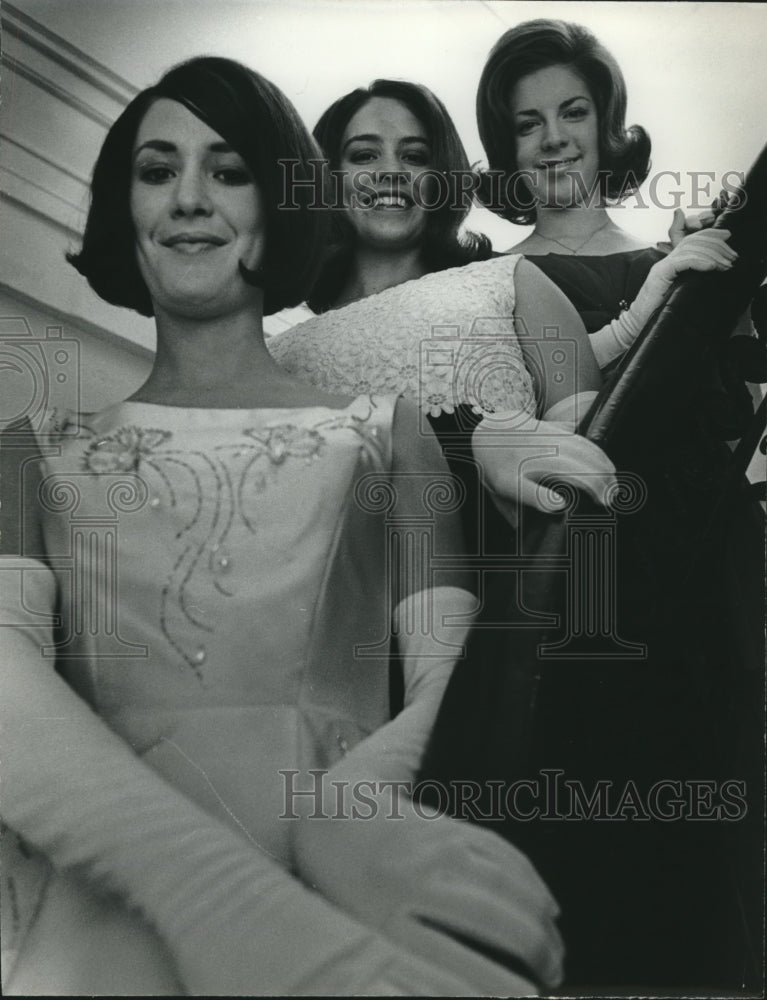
444,246
256,119
624,154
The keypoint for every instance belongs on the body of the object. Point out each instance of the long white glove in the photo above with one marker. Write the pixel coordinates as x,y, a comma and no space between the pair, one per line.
235,922
401,867
516,453
706,250
683,225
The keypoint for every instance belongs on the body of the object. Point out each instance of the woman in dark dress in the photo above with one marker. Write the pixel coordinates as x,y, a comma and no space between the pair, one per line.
551,108
642,693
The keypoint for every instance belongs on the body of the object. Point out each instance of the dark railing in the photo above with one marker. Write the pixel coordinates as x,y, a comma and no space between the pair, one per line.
676,570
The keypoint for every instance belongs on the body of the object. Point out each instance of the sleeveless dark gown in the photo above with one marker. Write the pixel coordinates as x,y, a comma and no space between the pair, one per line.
631,744
599,287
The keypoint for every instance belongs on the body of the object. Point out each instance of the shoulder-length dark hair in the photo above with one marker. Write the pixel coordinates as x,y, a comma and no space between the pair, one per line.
624,154
444,245
256,119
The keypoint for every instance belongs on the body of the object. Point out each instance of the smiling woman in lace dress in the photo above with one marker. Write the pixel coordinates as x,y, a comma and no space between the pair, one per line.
489,349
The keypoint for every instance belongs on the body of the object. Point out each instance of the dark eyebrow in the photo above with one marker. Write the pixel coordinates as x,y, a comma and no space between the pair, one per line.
159,144
562,106
372,137
163,146
369,137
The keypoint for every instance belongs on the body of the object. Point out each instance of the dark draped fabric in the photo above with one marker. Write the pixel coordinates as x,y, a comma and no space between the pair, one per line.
599,287
614,682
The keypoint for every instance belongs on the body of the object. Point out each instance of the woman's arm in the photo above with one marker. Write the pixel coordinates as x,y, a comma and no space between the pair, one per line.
235,921
390,861
555,345
706,250
516,451
433,605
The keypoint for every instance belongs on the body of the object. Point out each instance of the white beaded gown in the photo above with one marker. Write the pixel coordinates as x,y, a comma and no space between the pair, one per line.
222,598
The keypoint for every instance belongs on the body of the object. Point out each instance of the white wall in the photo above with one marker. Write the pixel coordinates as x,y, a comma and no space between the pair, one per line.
47,360
57,105
696,72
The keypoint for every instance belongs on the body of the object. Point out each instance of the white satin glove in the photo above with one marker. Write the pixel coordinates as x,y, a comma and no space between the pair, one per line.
684,225
442,887
706,250
234,921
517,453
446,889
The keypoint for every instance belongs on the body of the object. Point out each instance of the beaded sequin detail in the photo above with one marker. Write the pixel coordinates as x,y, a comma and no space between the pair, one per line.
220,482
122,450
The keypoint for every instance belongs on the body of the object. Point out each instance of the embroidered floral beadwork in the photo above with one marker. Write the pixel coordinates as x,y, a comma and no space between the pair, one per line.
204,493
122,451
287,441
55,421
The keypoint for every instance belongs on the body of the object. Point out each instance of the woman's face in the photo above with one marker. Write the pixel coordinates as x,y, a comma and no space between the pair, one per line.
383,148
197,213
557,135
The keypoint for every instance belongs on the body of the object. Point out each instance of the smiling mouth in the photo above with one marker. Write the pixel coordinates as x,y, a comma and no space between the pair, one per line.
192,243
553,164
392,202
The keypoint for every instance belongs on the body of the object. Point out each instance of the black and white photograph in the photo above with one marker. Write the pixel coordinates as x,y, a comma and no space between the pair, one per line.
382,498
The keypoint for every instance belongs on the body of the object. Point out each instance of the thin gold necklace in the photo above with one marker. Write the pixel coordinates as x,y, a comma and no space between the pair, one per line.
574,250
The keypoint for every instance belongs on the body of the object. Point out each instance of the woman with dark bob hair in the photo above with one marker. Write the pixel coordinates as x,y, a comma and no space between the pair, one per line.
207,563
551,110
256,119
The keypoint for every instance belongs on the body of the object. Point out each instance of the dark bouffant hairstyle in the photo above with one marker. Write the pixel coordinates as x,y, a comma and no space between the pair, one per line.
624,154
256,119
444,246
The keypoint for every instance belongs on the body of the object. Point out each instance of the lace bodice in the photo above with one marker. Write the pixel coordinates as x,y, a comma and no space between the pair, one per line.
443,340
